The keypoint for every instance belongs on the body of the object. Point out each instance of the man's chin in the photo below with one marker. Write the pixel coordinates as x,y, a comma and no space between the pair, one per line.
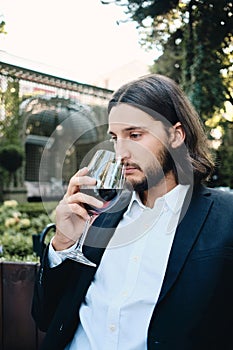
145,183
136,185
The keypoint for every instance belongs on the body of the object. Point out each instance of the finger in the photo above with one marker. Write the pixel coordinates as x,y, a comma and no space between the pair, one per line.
65,210
79,211
82,172
80,197
74,182
78,181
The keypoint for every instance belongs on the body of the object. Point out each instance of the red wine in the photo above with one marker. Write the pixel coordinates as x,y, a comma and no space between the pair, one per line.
106,195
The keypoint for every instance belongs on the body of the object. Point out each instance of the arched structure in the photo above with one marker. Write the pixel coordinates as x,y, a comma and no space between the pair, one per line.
55,111
60,131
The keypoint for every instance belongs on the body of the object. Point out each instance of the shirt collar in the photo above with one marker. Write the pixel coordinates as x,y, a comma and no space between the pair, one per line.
174,199
135,199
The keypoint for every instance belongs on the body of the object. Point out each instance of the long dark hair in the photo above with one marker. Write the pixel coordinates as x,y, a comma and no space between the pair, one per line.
163,96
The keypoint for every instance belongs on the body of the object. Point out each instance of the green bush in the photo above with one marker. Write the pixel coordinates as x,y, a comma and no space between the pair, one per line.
34,209
17,225
11,157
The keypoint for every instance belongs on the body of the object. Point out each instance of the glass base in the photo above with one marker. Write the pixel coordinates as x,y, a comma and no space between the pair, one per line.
80,257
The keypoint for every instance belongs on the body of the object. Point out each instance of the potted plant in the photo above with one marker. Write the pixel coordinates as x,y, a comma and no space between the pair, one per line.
19,223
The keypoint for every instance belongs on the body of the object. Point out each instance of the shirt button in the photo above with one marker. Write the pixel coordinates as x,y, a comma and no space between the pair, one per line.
136,258
112,327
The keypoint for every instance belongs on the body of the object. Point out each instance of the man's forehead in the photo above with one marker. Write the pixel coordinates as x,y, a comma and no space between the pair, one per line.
124,127
129,116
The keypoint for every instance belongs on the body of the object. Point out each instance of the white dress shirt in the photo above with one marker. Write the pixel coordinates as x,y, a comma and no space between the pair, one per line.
120,301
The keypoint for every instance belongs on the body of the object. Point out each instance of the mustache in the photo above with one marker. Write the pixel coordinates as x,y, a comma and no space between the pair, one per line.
132,165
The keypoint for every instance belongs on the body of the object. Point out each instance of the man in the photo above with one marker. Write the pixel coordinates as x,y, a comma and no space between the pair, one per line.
164,256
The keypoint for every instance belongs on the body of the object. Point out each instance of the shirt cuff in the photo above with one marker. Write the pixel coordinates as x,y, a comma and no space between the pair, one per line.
57,257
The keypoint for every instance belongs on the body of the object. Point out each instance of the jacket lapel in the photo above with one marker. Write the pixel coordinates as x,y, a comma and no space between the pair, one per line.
186,235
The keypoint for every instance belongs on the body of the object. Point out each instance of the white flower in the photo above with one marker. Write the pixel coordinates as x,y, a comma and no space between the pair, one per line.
10,203
10,222
25,222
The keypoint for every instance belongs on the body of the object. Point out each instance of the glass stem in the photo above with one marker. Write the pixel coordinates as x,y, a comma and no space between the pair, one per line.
84,234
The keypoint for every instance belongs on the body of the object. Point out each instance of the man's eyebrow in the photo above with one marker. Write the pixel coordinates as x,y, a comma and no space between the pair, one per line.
130,128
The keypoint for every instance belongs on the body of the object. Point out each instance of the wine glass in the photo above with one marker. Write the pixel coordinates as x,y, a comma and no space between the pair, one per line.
110,178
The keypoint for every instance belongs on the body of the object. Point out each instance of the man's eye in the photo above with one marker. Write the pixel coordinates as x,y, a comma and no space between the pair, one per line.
135,136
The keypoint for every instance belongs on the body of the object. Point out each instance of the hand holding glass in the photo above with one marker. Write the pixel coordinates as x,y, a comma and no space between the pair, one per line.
109,174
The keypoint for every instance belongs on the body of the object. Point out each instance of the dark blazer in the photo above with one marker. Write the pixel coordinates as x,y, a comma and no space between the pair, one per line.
195,306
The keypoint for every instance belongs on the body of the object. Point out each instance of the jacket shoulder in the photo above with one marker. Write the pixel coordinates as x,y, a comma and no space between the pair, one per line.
222,204
219,195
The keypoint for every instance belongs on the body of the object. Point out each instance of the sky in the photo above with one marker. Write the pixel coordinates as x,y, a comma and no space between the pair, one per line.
80,38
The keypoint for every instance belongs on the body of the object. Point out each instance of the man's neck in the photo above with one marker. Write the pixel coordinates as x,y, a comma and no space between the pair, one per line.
149,197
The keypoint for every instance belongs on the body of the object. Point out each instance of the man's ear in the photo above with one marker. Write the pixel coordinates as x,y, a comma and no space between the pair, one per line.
177,135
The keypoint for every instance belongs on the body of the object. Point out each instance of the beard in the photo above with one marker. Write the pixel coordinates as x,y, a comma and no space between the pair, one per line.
155,173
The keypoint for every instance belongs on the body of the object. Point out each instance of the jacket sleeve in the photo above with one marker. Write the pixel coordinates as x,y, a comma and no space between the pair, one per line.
50,287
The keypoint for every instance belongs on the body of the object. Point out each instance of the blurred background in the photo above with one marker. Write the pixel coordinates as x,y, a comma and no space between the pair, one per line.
58,59
59,64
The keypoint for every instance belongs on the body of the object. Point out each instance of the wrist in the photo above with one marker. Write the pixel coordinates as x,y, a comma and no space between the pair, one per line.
61,242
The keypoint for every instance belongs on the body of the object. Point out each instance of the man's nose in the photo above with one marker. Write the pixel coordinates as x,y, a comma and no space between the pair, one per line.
122,149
